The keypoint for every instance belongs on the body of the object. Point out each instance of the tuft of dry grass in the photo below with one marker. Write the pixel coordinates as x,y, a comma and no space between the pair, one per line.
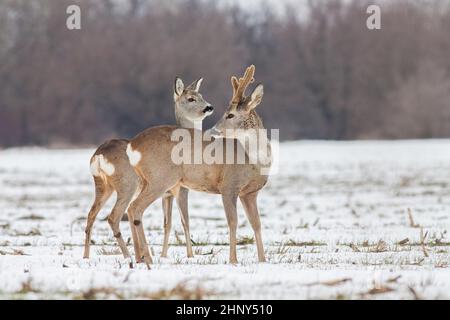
380,247
5,226
418,262
245,240
311,243
180,292
109,252
32,232
199,251
27,287
380,288
282,249
15,252
100,293
5,243
442,264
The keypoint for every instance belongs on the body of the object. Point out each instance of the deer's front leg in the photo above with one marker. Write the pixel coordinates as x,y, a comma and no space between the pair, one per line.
167,201
229,203
182,202
251,209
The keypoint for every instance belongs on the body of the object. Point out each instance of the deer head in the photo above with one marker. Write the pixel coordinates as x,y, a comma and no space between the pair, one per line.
240,115
189,103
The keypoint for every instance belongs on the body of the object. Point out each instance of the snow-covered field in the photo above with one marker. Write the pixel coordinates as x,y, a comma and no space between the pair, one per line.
335,226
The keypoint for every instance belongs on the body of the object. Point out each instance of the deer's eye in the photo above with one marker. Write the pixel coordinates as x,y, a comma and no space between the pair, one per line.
229,116
191,99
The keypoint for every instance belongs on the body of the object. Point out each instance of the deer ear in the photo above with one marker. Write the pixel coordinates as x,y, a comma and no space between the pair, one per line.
256,97
195,85
178,87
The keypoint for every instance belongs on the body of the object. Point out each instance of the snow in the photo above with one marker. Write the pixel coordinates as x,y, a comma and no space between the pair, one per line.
332,221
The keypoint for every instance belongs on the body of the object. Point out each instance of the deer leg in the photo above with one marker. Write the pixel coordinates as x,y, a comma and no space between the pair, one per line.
134,235
167,202
147,196
138,250
229,204
251,209
182,203
123,199
102,193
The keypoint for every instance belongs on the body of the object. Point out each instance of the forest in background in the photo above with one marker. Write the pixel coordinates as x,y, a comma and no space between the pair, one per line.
326,76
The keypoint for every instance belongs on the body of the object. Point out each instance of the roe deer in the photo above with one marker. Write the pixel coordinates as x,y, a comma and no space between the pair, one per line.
150,154
112,171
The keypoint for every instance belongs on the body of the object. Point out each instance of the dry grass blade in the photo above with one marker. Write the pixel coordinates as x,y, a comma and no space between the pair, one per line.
403,242
178,239
282,249
180,292
412,224
379,290
336,282
422,242
414,293
394,279
330,283
207,253
419,262
32,217
380,247
282,203
245,240
354,248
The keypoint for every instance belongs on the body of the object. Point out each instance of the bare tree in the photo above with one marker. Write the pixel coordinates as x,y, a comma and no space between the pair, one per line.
326,75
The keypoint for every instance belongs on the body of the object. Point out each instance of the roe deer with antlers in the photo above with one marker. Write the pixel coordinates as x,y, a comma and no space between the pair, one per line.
112,171
150,154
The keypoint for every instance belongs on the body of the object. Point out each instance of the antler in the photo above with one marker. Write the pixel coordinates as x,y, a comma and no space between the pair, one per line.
239,86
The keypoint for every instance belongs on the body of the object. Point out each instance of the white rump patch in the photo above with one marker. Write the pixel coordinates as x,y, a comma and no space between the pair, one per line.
95,167
134,156
106,166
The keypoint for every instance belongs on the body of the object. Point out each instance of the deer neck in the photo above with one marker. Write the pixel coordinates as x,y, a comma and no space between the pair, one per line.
257,147
184,122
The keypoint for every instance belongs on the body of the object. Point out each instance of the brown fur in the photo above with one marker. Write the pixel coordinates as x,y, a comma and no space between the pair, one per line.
159,174
126,182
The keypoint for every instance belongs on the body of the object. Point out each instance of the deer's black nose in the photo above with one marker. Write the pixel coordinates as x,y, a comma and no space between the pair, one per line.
208,109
